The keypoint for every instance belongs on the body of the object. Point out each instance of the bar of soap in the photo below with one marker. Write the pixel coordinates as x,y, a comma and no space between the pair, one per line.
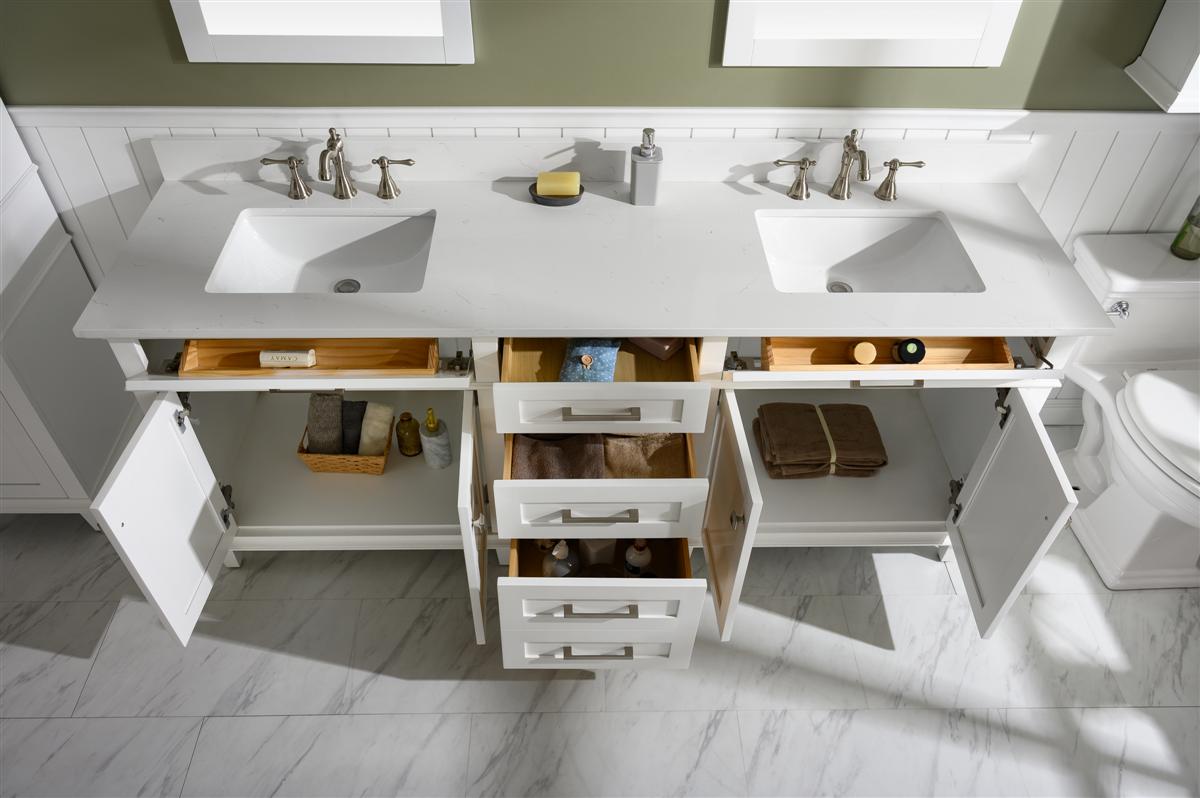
558,184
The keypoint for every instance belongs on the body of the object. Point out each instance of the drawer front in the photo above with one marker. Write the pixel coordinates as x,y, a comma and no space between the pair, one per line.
600,508
621,407
602,650
580,606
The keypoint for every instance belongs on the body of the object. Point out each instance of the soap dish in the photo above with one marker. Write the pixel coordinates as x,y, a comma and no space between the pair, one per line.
553,202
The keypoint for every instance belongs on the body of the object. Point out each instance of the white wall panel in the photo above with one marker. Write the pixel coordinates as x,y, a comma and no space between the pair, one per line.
1115,178
1076,176
113,152
1148,193
1181,196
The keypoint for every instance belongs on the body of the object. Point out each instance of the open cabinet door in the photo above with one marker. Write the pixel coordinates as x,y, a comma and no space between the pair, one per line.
163,510
1009,509
472,517
731,517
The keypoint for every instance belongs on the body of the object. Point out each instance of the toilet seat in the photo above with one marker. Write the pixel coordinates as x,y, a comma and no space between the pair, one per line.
1161,412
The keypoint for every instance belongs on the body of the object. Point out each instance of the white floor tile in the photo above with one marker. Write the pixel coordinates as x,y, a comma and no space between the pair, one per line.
370,755
95,757
606,754
46,652
59,558
245,658
343,575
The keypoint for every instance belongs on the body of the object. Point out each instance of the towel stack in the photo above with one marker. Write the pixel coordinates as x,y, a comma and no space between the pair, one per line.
339,427
595,456
801,441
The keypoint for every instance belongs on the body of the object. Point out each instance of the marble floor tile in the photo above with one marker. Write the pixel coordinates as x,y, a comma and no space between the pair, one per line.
787,652
606,754
366,755
1110,752
95,757
1043,654
911,650
903,752
420,655
1151,641
1065,569
46,652
344,575
245,658
59,558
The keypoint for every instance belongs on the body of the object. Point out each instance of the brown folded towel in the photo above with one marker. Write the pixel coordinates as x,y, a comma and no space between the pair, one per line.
661,455
794,446
558,457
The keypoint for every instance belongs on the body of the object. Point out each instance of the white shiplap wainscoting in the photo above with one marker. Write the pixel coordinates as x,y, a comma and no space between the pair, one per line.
1085,172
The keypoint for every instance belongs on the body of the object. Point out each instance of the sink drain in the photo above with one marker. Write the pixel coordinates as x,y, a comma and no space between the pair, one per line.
839,287
347,286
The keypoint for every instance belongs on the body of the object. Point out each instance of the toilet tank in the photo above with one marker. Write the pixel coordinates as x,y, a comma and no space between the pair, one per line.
1163,293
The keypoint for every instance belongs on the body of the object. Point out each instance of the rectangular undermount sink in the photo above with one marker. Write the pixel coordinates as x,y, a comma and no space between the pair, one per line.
865,252
323,251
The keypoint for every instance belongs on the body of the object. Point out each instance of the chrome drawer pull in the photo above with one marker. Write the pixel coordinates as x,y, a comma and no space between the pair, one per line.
630,613
626,653
630,414
630,516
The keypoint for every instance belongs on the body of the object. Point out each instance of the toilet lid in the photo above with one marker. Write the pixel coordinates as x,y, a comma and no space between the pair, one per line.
1165,408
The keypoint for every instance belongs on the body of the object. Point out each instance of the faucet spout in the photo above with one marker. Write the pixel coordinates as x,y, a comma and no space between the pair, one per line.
332,166
850,153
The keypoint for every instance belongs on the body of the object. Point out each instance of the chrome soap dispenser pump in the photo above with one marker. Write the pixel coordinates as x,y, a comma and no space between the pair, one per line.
645,170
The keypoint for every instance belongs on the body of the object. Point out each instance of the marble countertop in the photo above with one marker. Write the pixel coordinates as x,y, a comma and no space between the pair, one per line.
502,266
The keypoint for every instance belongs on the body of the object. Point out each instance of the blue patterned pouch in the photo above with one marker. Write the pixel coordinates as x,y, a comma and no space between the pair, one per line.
590,360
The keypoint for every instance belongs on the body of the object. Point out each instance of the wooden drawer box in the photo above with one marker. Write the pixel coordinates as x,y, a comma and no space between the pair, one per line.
646,395
599,508
356,357
581,622
832,354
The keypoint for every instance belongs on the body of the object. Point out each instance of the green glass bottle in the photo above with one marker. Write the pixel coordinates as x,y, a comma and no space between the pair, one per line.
1187,244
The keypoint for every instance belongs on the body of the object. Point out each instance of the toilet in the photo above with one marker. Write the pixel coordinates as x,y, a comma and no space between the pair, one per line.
1136,467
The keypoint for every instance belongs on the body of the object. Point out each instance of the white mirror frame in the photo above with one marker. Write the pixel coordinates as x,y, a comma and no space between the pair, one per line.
455,46
868,33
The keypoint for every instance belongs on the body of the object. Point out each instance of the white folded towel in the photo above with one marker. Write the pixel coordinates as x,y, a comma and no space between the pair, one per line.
376,429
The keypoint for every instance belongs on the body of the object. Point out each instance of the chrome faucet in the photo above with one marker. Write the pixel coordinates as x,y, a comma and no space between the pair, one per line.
334,156
887,189
799,189
387,186
850,153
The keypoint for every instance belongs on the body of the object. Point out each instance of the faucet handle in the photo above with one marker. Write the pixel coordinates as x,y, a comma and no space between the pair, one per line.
387,186
799,189
299,189
803,163
887,189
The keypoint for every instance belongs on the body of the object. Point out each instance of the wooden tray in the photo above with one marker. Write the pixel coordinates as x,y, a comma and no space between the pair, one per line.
832,354
373,464
541,359
365,357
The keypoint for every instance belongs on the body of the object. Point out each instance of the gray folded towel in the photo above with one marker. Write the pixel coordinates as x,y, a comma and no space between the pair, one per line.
376,429
352,420
325,423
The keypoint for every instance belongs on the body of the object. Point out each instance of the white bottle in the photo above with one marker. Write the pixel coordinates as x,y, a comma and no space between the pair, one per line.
561,561
637,558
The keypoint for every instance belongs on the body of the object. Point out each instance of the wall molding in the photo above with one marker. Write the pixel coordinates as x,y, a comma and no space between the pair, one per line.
600,117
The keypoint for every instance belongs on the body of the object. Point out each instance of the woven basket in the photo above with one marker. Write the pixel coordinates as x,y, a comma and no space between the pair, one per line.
373,464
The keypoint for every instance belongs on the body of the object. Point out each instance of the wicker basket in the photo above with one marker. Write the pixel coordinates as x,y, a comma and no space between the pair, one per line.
373,464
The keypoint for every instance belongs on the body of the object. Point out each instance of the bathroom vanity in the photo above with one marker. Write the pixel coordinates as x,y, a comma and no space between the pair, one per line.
212,470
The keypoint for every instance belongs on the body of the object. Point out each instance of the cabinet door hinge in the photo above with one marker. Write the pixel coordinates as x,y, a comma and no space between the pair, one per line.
227,510
956,486
1002,408
487,498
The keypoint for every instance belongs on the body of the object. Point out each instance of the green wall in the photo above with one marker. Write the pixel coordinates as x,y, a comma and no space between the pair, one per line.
1064,54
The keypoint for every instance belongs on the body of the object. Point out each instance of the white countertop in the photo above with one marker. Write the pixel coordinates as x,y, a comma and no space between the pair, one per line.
502,266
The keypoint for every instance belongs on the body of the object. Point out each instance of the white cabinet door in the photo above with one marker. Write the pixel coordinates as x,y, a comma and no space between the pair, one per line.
472,516
731,517
1011,506
24,474
163,510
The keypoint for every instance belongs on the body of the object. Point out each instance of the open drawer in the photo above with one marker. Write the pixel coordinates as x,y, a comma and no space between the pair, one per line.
581,622
971,465
600,508
183,496
646,394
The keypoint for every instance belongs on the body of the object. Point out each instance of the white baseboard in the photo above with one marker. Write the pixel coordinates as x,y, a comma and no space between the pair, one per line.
1063,413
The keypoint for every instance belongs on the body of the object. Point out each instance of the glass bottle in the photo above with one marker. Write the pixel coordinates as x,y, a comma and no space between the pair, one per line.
1187,244
408,434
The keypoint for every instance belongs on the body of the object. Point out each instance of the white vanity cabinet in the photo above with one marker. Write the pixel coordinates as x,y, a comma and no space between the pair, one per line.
203,479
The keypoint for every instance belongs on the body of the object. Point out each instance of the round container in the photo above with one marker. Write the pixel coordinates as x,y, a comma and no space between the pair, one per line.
909,350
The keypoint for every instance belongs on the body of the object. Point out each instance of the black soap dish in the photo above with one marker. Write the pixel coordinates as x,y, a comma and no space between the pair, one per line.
554,202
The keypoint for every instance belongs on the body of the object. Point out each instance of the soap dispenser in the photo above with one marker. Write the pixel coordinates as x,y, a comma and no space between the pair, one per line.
645,170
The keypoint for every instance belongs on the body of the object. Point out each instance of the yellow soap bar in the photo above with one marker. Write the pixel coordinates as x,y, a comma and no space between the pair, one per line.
558,184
